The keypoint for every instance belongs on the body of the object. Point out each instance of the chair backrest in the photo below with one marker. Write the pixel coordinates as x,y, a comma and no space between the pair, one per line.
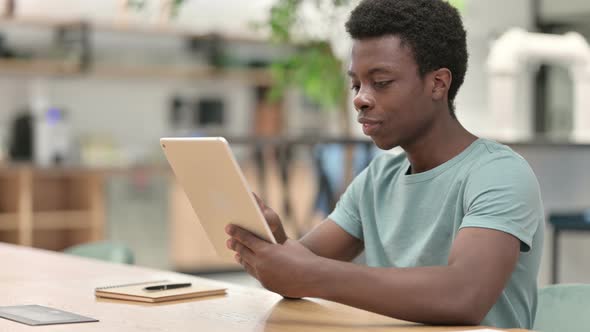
563,308
104,250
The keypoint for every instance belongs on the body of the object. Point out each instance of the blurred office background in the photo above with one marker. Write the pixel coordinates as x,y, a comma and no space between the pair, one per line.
88,87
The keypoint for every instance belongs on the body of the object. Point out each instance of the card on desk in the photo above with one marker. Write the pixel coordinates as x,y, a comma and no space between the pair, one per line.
138,292
40,315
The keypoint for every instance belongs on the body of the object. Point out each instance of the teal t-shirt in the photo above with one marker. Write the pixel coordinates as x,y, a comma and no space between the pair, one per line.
410,220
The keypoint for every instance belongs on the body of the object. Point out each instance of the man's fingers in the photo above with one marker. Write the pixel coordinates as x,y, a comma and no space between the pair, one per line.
242,250
260,202
249,269
246,238
273,220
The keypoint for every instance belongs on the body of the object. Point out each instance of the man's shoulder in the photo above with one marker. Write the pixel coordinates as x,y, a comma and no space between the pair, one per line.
497,165
494,157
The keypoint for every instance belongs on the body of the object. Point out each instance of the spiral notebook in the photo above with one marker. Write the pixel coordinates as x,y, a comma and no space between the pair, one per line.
137,292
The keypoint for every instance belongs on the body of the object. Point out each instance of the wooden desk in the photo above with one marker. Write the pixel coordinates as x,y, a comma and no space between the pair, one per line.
34,276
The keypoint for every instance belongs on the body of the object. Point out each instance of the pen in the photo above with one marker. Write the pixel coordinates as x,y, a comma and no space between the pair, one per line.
167,286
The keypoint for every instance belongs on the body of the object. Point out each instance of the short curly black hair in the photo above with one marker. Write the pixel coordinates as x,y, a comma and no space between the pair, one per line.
432,28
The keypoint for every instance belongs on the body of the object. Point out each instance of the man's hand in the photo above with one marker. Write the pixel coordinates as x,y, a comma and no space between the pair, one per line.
284,269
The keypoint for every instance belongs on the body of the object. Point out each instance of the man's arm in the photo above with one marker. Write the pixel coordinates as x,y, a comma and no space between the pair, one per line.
480,264
330,241
462,292
326,240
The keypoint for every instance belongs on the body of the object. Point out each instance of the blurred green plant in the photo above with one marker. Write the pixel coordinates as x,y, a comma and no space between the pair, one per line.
312,67
137,5
459,4
176,4
140,5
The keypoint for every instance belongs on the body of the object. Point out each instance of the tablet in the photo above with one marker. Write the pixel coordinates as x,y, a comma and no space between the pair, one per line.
34,315
216,188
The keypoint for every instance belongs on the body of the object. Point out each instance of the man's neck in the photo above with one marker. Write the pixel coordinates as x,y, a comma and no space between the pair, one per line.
444,140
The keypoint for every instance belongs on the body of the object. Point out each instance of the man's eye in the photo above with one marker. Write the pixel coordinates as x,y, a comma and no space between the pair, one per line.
355,88
382,84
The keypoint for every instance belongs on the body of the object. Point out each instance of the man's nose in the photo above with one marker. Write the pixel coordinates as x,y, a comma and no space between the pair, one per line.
363,100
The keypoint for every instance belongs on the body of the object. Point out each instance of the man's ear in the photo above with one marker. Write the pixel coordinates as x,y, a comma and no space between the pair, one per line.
441,79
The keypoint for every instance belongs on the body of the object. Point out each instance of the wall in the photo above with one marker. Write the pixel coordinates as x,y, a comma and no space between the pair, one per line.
562,172
557,10
484,22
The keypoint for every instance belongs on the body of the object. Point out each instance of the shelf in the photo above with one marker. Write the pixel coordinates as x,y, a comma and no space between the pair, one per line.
9,193
66,193
257,76
87,65
8,170
165,29
41,22
38,67
8,221
57,68
67,219
171,30
51,208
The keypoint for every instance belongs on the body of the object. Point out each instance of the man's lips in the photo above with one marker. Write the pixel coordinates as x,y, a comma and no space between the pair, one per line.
370,126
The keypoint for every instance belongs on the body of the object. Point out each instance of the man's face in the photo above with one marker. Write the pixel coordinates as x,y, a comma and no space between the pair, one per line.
393,102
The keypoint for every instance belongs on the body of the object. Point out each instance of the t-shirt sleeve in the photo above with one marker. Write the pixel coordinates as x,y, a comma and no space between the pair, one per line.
504,195
347,211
